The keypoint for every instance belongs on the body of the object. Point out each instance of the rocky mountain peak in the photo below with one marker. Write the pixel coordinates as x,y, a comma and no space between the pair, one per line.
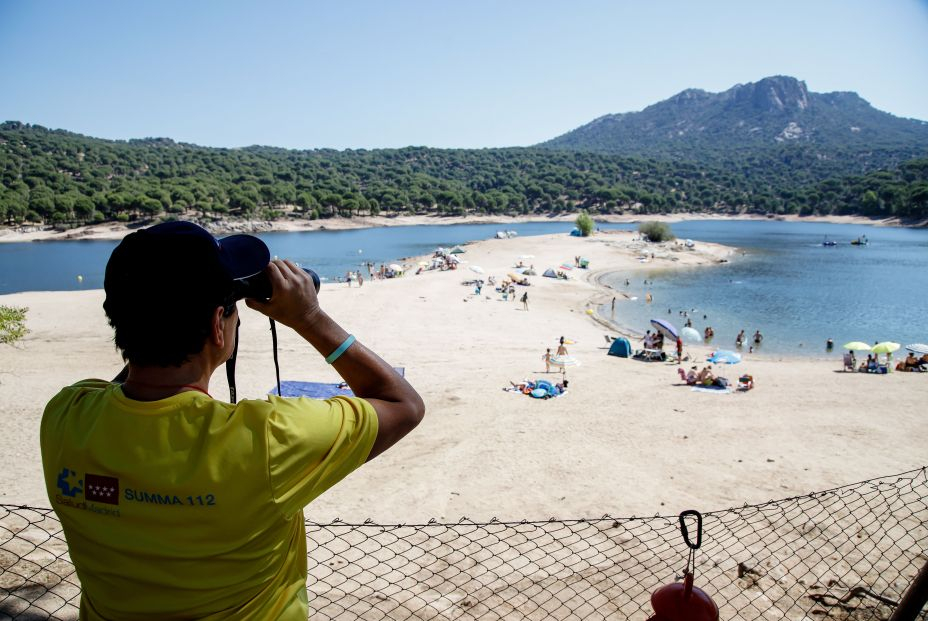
776,93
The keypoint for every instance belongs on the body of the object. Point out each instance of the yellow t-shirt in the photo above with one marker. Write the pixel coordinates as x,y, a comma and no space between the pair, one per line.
191,508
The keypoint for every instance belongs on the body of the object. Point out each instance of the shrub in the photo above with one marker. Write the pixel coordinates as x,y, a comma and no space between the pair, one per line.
656,231
12,324
585,223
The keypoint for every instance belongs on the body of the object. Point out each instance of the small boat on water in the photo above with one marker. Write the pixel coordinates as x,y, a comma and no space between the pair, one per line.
829,242
860,241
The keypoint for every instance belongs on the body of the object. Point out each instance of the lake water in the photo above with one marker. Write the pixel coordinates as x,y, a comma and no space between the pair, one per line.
54,266
787,284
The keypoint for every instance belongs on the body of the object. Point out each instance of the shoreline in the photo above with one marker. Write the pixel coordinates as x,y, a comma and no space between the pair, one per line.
116,231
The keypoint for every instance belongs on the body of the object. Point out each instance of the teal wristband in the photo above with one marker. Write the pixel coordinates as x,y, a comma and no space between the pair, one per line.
341,349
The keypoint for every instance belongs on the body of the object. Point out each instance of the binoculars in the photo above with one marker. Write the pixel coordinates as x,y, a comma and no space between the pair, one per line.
259,285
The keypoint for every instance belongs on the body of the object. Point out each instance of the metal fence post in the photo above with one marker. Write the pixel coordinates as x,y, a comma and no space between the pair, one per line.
914,599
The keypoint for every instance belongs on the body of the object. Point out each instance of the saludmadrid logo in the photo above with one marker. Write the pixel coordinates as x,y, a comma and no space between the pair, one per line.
85,493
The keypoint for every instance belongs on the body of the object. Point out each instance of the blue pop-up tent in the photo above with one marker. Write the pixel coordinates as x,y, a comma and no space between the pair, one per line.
621,348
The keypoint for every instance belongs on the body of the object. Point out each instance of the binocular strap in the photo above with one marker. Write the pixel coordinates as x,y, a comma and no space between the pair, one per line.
276,363
230,363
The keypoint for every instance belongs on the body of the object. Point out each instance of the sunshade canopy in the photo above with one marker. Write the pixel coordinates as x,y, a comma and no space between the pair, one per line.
886,347
666,328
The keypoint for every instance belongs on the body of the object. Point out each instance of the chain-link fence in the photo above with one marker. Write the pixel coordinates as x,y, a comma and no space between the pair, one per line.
846,553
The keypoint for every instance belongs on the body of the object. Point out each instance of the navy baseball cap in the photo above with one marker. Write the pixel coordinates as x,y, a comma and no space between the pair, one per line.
180,261
240,255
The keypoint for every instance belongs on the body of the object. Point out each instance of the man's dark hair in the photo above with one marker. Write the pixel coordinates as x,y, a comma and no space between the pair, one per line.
161,293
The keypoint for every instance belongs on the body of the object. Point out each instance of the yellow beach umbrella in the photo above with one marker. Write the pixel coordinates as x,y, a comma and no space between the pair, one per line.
886,347
856,346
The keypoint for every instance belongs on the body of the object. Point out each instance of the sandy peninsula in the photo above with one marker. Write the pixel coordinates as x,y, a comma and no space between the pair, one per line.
626,439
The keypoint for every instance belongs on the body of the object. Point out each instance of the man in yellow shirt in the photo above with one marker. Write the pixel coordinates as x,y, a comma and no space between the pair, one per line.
179,506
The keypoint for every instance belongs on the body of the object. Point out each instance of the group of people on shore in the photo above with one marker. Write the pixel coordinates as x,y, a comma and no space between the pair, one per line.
913,363
873,364
703,377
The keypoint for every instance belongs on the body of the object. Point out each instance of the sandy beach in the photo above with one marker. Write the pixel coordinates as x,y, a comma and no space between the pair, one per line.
627,439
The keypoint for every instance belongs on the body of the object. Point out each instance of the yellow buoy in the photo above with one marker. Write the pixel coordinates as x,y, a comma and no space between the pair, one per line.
589,311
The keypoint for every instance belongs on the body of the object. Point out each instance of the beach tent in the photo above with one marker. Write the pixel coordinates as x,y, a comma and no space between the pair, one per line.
550,273
575,233
621,348
584,263
457,250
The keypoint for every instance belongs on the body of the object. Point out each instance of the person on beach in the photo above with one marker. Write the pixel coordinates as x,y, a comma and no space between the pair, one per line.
910,363
547,359
679,349
708,333
360,279
739,340
758,337
705,377
561,349
175,504
525,301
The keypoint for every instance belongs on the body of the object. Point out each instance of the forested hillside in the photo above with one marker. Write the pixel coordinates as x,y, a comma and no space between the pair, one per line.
67,179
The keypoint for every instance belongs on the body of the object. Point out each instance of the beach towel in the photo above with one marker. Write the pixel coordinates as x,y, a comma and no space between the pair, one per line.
314,390
712,389
539,389
319,390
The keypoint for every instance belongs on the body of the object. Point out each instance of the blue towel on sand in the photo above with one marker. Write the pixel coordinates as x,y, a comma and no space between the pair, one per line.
715,389
318,390
314,390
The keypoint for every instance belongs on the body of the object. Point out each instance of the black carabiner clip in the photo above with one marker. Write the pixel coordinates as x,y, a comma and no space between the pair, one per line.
685,533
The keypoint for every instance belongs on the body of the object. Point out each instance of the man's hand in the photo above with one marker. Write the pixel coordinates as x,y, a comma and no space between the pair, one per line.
293,295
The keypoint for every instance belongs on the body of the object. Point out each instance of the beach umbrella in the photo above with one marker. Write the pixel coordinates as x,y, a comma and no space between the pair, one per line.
856,346
666,328
724,356
564,361
917,348
886,347
691,335
396,268
476,269
457,250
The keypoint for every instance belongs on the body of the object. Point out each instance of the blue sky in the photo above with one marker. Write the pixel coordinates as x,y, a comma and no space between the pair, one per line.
476,73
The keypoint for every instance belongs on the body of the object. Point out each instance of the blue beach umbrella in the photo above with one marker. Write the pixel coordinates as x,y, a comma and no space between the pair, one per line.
724,356
666,328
